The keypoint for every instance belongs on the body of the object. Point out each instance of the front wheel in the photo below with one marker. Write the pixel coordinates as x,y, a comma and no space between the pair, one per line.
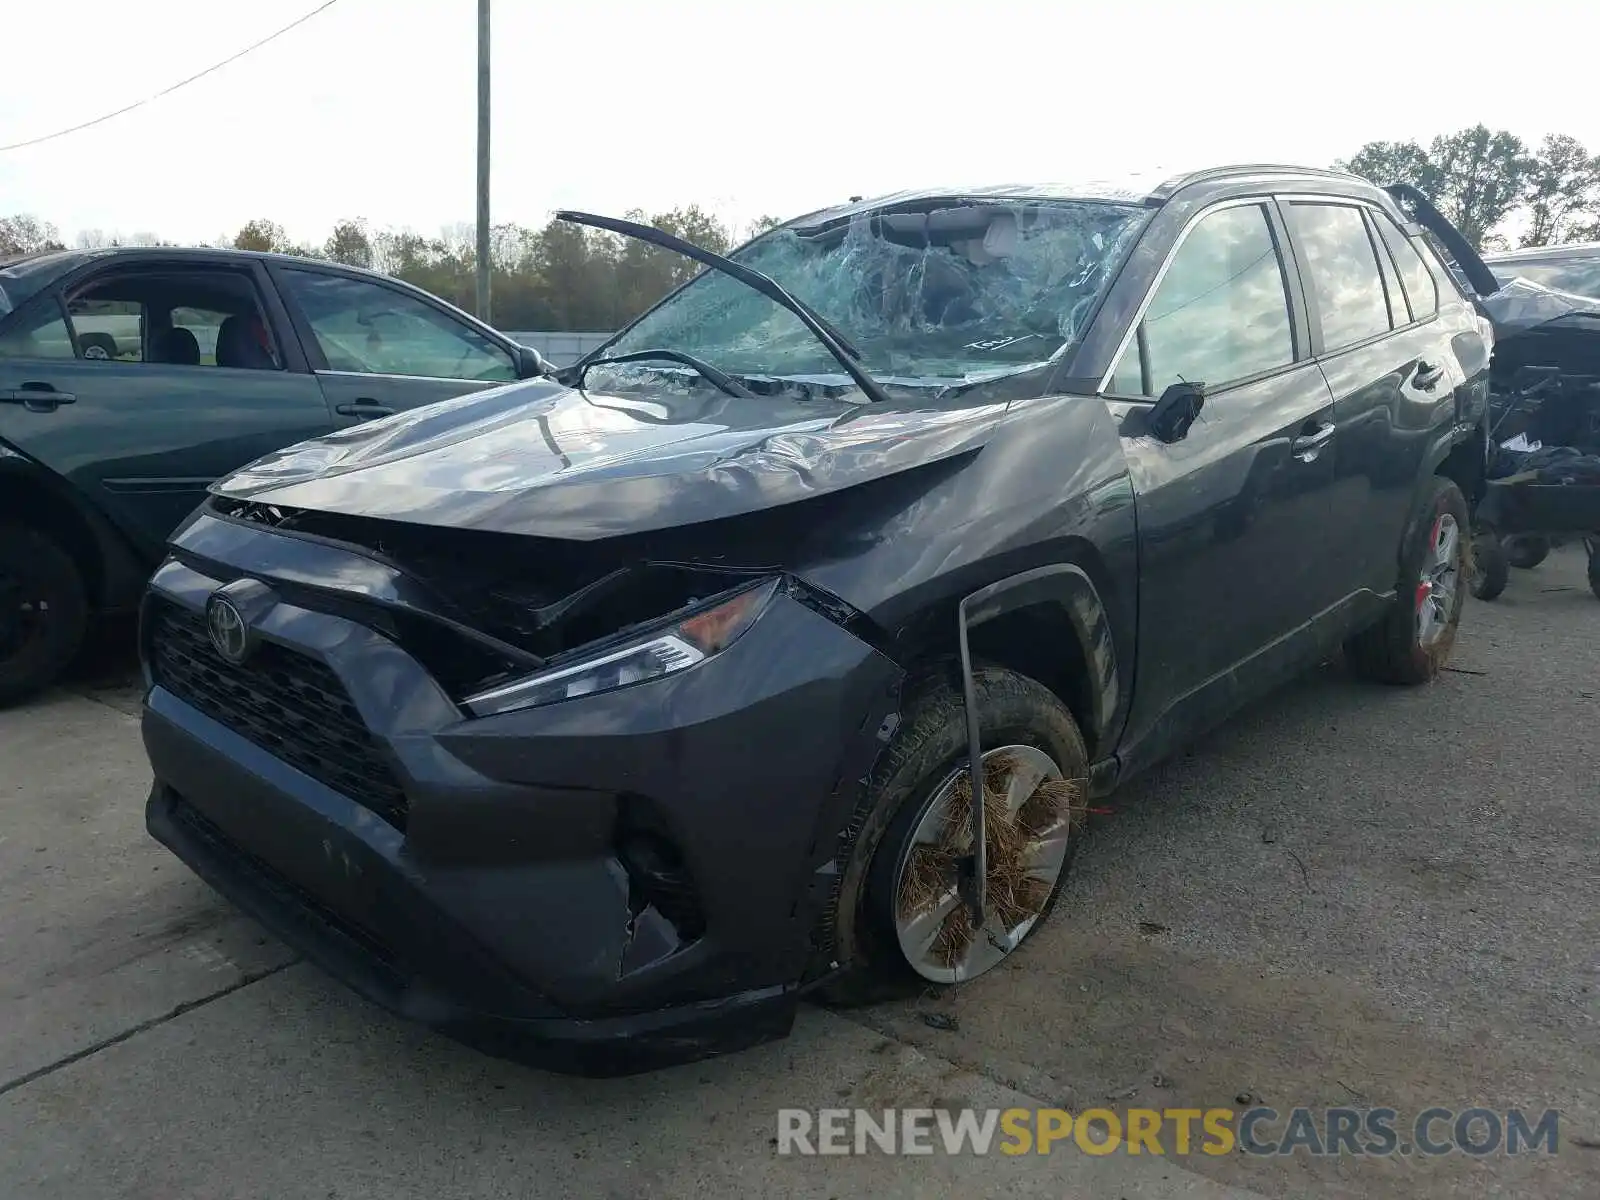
902,921
1411,644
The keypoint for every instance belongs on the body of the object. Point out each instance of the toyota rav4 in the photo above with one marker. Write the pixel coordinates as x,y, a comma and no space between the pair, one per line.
779,646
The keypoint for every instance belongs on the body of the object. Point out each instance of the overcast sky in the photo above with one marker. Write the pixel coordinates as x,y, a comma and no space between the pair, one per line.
773,106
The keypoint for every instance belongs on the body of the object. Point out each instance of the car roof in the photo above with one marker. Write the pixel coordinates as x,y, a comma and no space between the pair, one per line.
1545,253
1150,189
75,258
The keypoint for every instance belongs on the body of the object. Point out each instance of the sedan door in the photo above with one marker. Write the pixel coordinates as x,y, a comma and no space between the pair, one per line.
143,434
1233,517
380,349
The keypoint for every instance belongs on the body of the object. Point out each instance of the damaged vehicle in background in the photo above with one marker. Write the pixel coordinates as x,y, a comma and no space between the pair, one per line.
594,720
1544,399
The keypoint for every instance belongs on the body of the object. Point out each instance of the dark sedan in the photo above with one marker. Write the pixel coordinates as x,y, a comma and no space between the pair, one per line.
132,378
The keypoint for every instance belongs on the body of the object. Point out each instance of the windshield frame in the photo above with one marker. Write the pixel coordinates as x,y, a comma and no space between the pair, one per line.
1137,215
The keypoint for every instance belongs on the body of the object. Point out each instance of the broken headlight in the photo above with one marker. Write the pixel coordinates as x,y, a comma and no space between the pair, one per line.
666,650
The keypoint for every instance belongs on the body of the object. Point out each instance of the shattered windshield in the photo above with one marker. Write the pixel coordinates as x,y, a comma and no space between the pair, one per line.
949,294
1579,275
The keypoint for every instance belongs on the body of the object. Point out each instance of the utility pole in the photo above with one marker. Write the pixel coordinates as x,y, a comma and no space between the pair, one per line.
483,160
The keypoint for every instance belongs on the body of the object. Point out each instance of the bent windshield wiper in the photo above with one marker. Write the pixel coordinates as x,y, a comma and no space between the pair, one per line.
573,376
769,287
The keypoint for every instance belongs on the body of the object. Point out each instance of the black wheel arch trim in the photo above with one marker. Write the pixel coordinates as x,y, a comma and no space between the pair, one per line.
1070,588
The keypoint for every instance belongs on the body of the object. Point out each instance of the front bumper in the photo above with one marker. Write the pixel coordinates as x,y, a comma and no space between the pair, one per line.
494,901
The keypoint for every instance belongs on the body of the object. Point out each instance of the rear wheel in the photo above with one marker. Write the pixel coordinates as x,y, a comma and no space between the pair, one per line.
1526,552
43,611
902,921
1413,642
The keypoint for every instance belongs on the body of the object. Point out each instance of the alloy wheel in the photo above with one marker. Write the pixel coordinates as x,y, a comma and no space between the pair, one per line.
1441,577
1029,815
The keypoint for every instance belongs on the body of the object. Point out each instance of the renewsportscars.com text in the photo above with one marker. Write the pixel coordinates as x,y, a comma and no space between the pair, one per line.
1318,1132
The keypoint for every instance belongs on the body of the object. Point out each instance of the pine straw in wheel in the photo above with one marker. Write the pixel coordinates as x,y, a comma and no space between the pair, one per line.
1012,894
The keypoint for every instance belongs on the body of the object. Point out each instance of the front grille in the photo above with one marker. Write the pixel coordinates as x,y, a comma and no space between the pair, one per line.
289,704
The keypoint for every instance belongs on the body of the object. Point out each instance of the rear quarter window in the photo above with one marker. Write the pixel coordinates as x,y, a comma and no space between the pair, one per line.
1422,290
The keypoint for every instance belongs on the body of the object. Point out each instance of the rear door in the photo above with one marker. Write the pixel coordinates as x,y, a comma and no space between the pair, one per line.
119,409
378,349
1233,517
1392,366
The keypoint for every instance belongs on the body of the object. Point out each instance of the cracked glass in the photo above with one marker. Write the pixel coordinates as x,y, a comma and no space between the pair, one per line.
936,295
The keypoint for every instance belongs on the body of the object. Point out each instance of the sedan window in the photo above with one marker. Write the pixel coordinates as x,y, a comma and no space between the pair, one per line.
370,329
42,333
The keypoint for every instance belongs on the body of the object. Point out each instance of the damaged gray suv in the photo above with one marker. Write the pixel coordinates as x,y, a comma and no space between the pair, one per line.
595,719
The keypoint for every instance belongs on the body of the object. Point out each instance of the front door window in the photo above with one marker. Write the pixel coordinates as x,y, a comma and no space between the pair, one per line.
369,329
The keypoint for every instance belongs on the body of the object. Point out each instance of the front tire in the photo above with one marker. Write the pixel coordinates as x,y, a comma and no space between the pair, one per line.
898,879
44,611
1412,643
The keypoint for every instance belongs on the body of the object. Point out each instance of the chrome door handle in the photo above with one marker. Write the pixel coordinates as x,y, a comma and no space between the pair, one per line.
1428,376
1307,446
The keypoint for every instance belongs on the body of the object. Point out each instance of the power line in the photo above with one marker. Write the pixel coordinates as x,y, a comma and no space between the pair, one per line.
48,137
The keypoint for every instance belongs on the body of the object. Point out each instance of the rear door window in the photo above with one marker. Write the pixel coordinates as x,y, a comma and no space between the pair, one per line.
1343,272
173,314
1219,315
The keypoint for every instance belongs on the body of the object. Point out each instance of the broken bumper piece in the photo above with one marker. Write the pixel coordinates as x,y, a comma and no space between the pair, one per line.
603,885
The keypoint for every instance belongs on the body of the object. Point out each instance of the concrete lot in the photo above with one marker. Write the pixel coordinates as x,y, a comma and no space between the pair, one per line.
1349,896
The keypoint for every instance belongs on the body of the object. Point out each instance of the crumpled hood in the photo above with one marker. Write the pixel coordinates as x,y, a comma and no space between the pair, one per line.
540,458
1522,305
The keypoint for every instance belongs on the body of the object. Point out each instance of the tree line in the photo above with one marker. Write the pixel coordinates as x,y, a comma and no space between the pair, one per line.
562,276
1489,182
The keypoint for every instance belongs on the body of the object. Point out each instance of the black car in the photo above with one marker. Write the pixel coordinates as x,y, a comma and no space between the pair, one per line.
594,720
131,379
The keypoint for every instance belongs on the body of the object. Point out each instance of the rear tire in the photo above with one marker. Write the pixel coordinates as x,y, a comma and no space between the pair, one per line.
1411,644
1526,552
913,775
44,611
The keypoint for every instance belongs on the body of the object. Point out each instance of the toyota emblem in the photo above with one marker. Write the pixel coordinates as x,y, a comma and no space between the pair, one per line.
229,633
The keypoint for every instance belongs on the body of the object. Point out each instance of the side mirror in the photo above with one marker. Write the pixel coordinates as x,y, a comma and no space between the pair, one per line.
1176,411
533,365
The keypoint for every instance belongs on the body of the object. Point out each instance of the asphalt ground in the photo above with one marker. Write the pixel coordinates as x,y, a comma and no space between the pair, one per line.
1349,896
